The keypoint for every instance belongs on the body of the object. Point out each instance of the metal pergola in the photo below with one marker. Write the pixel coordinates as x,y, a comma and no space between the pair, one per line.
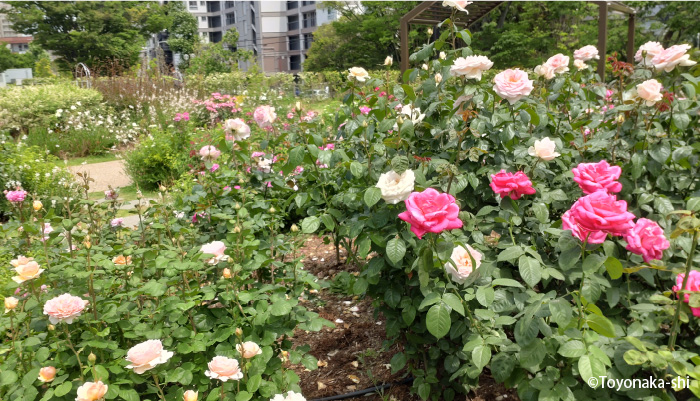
433,12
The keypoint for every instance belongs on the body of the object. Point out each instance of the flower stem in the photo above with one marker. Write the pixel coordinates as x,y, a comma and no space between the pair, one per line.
580,288
160,390
77,356
688,265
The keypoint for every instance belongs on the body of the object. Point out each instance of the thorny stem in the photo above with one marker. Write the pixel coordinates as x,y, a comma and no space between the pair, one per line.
681,295
77,356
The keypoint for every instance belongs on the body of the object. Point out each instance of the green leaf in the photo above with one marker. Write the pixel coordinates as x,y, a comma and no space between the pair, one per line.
634,357
357,169
541,212
681,120
589,366
395,250
530,270
511,253
253,383
481,355
438,320
454,302
614,267
502,366
398,362
280,307
561,310
572,349
154,288
310,224
327,220
243,396
485,295
660,152
506,282
637,343
64,389
9,377
601,325
399,164
372,196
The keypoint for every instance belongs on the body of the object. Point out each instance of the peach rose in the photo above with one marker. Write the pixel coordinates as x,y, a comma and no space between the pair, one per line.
21,260
544,149
216,248
463,262
190,395
64,308
27,271
471,66
358,73
512,85
580,64
224,369
460,5
650,91
648,51
586,53
47,374
147,355
91,391
559,63
121,260
248,349
11,303
674,56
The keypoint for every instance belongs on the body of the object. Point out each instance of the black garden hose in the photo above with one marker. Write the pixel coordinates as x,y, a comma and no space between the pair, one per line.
365,391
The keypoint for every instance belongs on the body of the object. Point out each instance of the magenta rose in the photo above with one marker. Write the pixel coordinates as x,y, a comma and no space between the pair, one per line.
646,238
431,211
513,185
593,177
692,285
594,216
16,196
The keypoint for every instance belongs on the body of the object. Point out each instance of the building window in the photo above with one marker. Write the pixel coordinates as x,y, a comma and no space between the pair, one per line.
203,18
254,36
292,5
330,13
307,3
215,37
193,5
295,62
294,43
230,18
308,39
292,22
201,3
310,19
252,17
215,22
229,4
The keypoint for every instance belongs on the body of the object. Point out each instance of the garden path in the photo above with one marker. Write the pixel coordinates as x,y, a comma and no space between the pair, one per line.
105,174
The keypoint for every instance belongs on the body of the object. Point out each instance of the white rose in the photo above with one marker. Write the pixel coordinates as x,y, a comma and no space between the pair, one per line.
396,187
237,128
438,78
471,66
462,259
544,70
544,149
358,73
413,113
443,55
388,61
461,5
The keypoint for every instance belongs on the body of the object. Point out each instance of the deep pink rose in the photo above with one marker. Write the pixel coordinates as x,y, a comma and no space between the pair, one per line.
593,177
646,238
596,215
16,196
513,185
431,211
692,285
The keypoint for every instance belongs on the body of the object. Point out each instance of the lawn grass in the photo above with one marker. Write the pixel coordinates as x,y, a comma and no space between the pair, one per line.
77,161
126,194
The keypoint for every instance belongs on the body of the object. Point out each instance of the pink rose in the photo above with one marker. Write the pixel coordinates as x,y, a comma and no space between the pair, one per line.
216,248
16,196
264,116
593,177
647,238
365,110
224,369
674,56
513,185
237,128
460,5
248,349
471,66
596,215
586,53
118,222
147,355
64,308
47,374
431,211
650,91
545,70
214,167
693,285
209,153
91,391
512,85
111,194
648,51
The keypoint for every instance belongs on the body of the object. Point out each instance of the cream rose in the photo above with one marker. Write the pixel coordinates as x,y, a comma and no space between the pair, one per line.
190,395
237,128
512,85
224,369
27,271
463,262
388,61
91,391
64,308
544,70
47,374
10,303
460,5
674,56
248,349
648,51
147,355
650,91
413,113
358,73
438,78
586,53
396,187
216,248
443,55
544,149
471,66
580,64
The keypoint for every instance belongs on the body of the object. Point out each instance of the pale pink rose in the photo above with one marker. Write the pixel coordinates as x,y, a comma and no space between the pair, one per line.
248,349
580,64
47,374
264,116
64,308
601,176
431,211
461,258
586,53
460,101
471,66
559,63
460,5
650,91
674,56
118,222
28,271
21,260
190,395
209,153
216,248
111,194
647,238
512,85
91,391
648,51
693,285
224,369
544,149
11,303
290,396
596,215
237,128
544,70
147,355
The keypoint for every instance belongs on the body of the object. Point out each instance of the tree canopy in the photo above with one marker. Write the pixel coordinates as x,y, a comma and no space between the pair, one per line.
183,32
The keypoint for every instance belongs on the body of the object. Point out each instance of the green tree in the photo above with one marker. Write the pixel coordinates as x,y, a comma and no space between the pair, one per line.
678,20
183,32
89,32
221,57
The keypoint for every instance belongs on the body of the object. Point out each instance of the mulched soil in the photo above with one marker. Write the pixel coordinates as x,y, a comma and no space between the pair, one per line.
352,356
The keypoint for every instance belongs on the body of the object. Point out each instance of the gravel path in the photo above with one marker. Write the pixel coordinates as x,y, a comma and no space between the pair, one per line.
105,174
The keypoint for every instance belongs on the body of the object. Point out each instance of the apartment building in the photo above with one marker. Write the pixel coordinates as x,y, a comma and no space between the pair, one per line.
16,42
